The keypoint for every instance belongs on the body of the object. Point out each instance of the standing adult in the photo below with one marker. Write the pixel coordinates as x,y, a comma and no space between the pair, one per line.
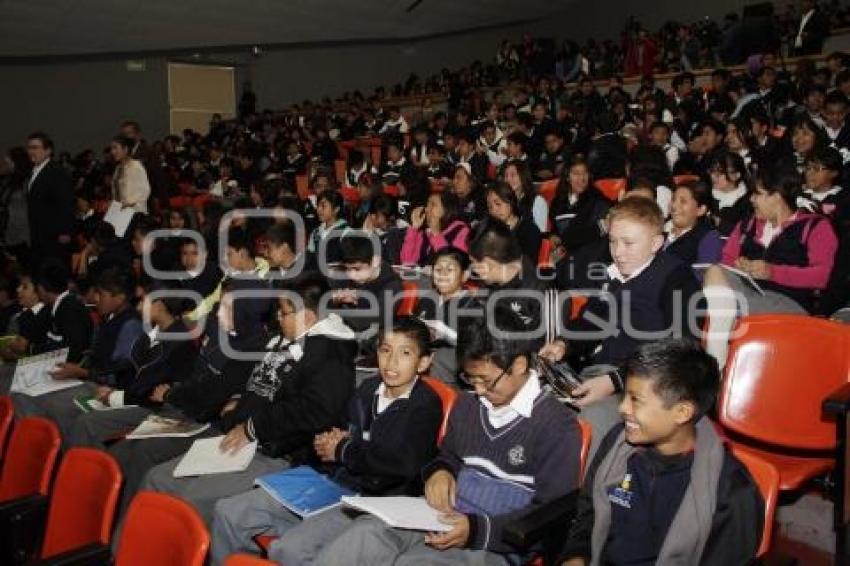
50,203
150,159
130,184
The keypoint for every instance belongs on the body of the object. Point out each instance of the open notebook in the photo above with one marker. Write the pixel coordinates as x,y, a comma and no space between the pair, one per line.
410,513
205,458
32,375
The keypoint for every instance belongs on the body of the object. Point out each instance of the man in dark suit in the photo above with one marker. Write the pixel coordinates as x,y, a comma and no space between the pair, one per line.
812,29
50,203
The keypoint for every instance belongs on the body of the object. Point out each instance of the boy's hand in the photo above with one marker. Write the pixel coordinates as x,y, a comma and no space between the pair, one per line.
345,296
234,440
759,269
441,490
159,393
593,390
554,351
325,443
68,370
102,394
455,538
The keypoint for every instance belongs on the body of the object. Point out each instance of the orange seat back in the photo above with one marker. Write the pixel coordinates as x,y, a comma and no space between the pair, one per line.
350,195
586,438
766,477
302,186
779,370
392,190
375,155
577,303
544,255
492,172
410,296
163,530
340,172
682,179
547,190
7,413
83,502
30,459
246,560
611,188
448,396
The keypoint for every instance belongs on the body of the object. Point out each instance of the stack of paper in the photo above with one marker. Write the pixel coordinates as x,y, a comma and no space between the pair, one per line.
205,458
32,375
161,427
88,403
303,490
410,513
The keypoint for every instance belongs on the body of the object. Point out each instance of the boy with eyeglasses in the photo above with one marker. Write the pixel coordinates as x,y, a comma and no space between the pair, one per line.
508,449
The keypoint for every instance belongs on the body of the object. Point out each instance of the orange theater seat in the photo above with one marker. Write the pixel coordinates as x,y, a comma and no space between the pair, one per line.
7,413
340,172
163,530
765,366
681,179
766,477
492,172
30,459
392,190
586,439
375,154
544,255
246,560
611,188
448,396
350,195
410,296
547,190
83,503
302,186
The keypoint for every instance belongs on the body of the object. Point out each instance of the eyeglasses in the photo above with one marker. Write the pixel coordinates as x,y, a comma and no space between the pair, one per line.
281,314
473,380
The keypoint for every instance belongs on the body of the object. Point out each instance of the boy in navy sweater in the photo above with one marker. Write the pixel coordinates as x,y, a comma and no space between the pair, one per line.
392,432
663,488
508,448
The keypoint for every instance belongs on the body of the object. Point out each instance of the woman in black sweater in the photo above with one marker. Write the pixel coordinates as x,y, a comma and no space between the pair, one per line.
502,205
578,208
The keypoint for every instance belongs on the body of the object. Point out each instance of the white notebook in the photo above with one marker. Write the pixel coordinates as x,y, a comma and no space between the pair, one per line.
410,513
32,375
119,217
205,458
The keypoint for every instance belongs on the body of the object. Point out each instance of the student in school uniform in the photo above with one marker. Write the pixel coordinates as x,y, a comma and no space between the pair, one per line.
366,293
531,205
432,228
499,451
789,252
493,141
467,152
836,108
438,168
329,206
202,275
663,488
554,157
300,389
70,323
468,189
578,208
164,354
649,290
391,434
822,192
29,325
383,221
730,192
107,362
690,236
396,165
215,380
503,206
418,150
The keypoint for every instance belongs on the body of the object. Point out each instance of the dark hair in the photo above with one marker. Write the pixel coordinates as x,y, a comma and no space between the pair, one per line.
310,287
384,204
43,138
123,141
281,233
506,194
729,160
564,189
356,248
836,97
175,306
460,256
680,370
528,190
783,179
52,275
700,192
412,328
477,341
495,240
240,239
519,139
828,157
331,197
451,208
116,281
804,120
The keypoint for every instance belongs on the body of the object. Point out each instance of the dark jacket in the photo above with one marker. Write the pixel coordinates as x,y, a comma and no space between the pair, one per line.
156,363
579,223
658,487
70,327
298,392
50,209
383,289
386,452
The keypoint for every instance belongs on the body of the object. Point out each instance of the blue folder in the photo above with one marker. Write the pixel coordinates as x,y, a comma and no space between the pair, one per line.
303,490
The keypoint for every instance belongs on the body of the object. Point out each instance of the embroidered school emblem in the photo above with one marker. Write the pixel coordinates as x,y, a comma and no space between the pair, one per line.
516,455
621,494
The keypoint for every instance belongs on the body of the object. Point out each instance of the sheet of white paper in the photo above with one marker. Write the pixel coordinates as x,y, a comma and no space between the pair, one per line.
156,426
205,458
119,217
32,377
742,274
411,513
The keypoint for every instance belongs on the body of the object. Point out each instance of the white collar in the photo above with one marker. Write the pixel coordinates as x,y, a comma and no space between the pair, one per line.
37,169
520,406
671,237
385,401
153,335
58,302
726,199
614,271
820,196
36,308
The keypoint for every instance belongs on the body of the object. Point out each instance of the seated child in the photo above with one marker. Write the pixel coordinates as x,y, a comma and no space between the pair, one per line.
299,389
509,448
663,489
432,228
393,419
154,358
28,327
691,237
